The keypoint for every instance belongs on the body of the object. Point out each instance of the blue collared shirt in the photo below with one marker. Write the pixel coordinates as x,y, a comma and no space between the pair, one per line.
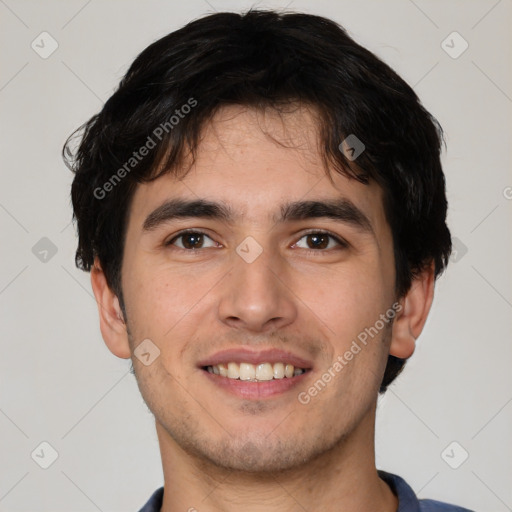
407,500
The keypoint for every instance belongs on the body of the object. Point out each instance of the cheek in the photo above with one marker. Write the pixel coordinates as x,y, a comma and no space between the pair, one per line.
152,289
163,305
348,299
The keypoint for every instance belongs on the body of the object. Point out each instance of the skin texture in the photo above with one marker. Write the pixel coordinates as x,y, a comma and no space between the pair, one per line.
219,451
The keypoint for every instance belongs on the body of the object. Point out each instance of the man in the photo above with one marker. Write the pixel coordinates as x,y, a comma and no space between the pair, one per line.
262,208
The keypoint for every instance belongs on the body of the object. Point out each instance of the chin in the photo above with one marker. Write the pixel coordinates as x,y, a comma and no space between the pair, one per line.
263,455
254,458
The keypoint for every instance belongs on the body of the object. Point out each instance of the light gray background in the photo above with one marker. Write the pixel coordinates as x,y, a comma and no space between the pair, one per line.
58,381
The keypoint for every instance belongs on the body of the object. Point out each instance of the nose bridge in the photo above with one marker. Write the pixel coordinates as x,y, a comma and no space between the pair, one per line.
255,295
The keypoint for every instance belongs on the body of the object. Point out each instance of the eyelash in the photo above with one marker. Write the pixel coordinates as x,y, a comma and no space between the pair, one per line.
342,243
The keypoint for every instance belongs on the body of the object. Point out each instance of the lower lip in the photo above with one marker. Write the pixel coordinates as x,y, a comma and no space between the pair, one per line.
256,390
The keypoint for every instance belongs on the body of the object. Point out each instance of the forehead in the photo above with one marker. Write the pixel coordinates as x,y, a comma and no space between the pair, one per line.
254,162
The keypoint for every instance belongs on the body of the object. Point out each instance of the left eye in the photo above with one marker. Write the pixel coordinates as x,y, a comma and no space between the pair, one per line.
191,240
320,240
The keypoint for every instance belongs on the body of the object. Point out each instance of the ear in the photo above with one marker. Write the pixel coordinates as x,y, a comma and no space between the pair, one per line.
411,318
112,325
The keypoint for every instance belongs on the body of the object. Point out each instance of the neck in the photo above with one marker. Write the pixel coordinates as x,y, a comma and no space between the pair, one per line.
342,479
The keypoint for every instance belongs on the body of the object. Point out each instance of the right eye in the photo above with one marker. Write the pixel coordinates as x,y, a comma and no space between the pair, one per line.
191,240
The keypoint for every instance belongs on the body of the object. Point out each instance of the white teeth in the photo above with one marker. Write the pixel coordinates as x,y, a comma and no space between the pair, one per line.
260,372
233,371
247,371
278,370
264,371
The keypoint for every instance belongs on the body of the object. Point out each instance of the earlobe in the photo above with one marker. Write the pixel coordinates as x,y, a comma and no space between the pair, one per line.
112,324
411,318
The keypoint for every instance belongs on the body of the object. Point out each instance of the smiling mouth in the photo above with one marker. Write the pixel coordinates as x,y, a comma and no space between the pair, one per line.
256,372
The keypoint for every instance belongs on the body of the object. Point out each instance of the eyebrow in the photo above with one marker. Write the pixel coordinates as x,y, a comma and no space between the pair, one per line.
342,210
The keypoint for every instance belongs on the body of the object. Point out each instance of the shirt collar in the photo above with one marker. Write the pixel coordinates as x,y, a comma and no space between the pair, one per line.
407,500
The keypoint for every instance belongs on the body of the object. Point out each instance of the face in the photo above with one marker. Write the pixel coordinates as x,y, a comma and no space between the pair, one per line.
272,283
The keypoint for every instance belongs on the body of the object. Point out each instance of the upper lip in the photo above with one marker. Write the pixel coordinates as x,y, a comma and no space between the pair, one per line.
244,355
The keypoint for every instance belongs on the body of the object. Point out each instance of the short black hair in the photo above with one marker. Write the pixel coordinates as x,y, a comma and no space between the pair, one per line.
261,59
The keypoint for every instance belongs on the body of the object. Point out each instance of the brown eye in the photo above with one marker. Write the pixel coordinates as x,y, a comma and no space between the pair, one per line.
319,240
190,240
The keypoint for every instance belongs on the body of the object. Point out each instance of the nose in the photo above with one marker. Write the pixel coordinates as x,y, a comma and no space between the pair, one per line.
257,295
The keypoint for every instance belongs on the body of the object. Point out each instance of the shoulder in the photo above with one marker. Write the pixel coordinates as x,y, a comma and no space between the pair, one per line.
409,502
154,504
438,506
